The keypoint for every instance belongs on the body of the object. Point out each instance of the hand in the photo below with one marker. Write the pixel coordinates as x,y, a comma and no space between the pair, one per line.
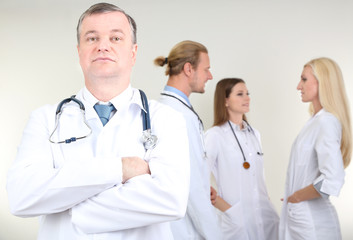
134,166
213,195
304,194
221,204
294,198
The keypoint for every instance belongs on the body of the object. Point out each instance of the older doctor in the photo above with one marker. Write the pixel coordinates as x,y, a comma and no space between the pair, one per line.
188,67
104,186
319,155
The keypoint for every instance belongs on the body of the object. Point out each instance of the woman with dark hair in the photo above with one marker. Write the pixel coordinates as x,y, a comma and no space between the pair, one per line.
235,157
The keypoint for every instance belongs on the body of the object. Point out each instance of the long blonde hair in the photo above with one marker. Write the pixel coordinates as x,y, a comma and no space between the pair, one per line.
333,98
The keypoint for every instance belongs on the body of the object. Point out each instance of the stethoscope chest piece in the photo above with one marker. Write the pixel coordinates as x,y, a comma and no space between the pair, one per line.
246,165
149,141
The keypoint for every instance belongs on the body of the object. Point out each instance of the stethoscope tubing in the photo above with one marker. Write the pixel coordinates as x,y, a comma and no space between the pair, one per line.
191,109
260,153
149,140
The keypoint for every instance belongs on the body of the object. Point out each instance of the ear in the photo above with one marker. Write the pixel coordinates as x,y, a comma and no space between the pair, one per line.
134,53
188,69
226,102
78,53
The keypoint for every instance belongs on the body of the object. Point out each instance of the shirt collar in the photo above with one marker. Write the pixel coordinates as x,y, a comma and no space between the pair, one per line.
177,92
118,101
124,99
246,126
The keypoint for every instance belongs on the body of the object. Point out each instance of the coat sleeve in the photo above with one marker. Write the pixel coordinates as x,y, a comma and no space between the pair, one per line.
329,156
211,140
35,187
200,208
146,199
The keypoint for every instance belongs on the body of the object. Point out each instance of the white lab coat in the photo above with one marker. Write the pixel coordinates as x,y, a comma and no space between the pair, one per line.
200,221
315,157
252,215
76,188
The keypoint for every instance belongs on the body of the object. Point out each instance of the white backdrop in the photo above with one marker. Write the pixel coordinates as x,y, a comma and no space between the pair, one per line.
264,42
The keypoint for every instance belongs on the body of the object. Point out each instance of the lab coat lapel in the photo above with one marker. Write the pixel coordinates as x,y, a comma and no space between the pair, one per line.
228,132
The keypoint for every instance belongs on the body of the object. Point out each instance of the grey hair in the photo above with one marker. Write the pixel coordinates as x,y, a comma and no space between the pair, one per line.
105,8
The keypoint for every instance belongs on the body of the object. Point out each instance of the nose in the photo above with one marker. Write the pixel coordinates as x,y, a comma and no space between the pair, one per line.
103,45
210,77
299,86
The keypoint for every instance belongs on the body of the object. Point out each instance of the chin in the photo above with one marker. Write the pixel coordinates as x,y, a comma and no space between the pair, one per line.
105,74
199,91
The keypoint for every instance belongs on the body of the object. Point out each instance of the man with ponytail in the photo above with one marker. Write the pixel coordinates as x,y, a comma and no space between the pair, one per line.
188,70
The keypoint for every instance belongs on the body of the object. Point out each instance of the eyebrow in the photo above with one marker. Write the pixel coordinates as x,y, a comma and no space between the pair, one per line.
90,32
118,30
113,31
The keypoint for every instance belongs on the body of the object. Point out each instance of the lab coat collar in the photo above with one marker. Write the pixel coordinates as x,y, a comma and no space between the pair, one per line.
177,96
226,127
316,116
169,89
127,97
320,112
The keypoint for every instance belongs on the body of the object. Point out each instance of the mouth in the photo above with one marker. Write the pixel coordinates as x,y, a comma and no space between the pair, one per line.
103,59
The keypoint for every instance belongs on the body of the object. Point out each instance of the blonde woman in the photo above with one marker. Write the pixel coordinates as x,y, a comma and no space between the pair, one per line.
319,155
235,157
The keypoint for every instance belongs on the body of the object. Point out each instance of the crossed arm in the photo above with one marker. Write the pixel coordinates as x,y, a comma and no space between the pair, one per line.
106,193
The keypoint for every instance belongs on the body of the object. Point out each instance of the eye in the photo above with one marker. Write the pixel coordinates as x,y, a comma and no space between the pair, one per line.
240,94
248,93
116,39
92,39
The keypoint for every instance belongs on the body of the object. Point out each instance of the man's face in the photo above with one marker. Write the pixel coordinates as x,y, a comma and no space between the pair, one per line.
106,49
201,74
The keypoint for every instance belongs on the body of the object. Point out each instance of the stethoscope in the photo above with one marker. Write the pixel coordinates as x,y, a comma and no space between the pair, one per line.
200,121
246,164
149,141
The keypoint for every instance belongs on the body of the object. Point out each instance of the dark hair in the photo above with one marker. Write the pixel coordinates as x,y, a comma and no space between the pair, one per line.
105,8
223,89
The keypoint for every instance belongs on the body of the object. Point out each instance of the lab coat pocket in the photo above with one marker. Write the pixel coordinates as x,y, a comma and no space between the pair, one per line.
232,223
300,223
